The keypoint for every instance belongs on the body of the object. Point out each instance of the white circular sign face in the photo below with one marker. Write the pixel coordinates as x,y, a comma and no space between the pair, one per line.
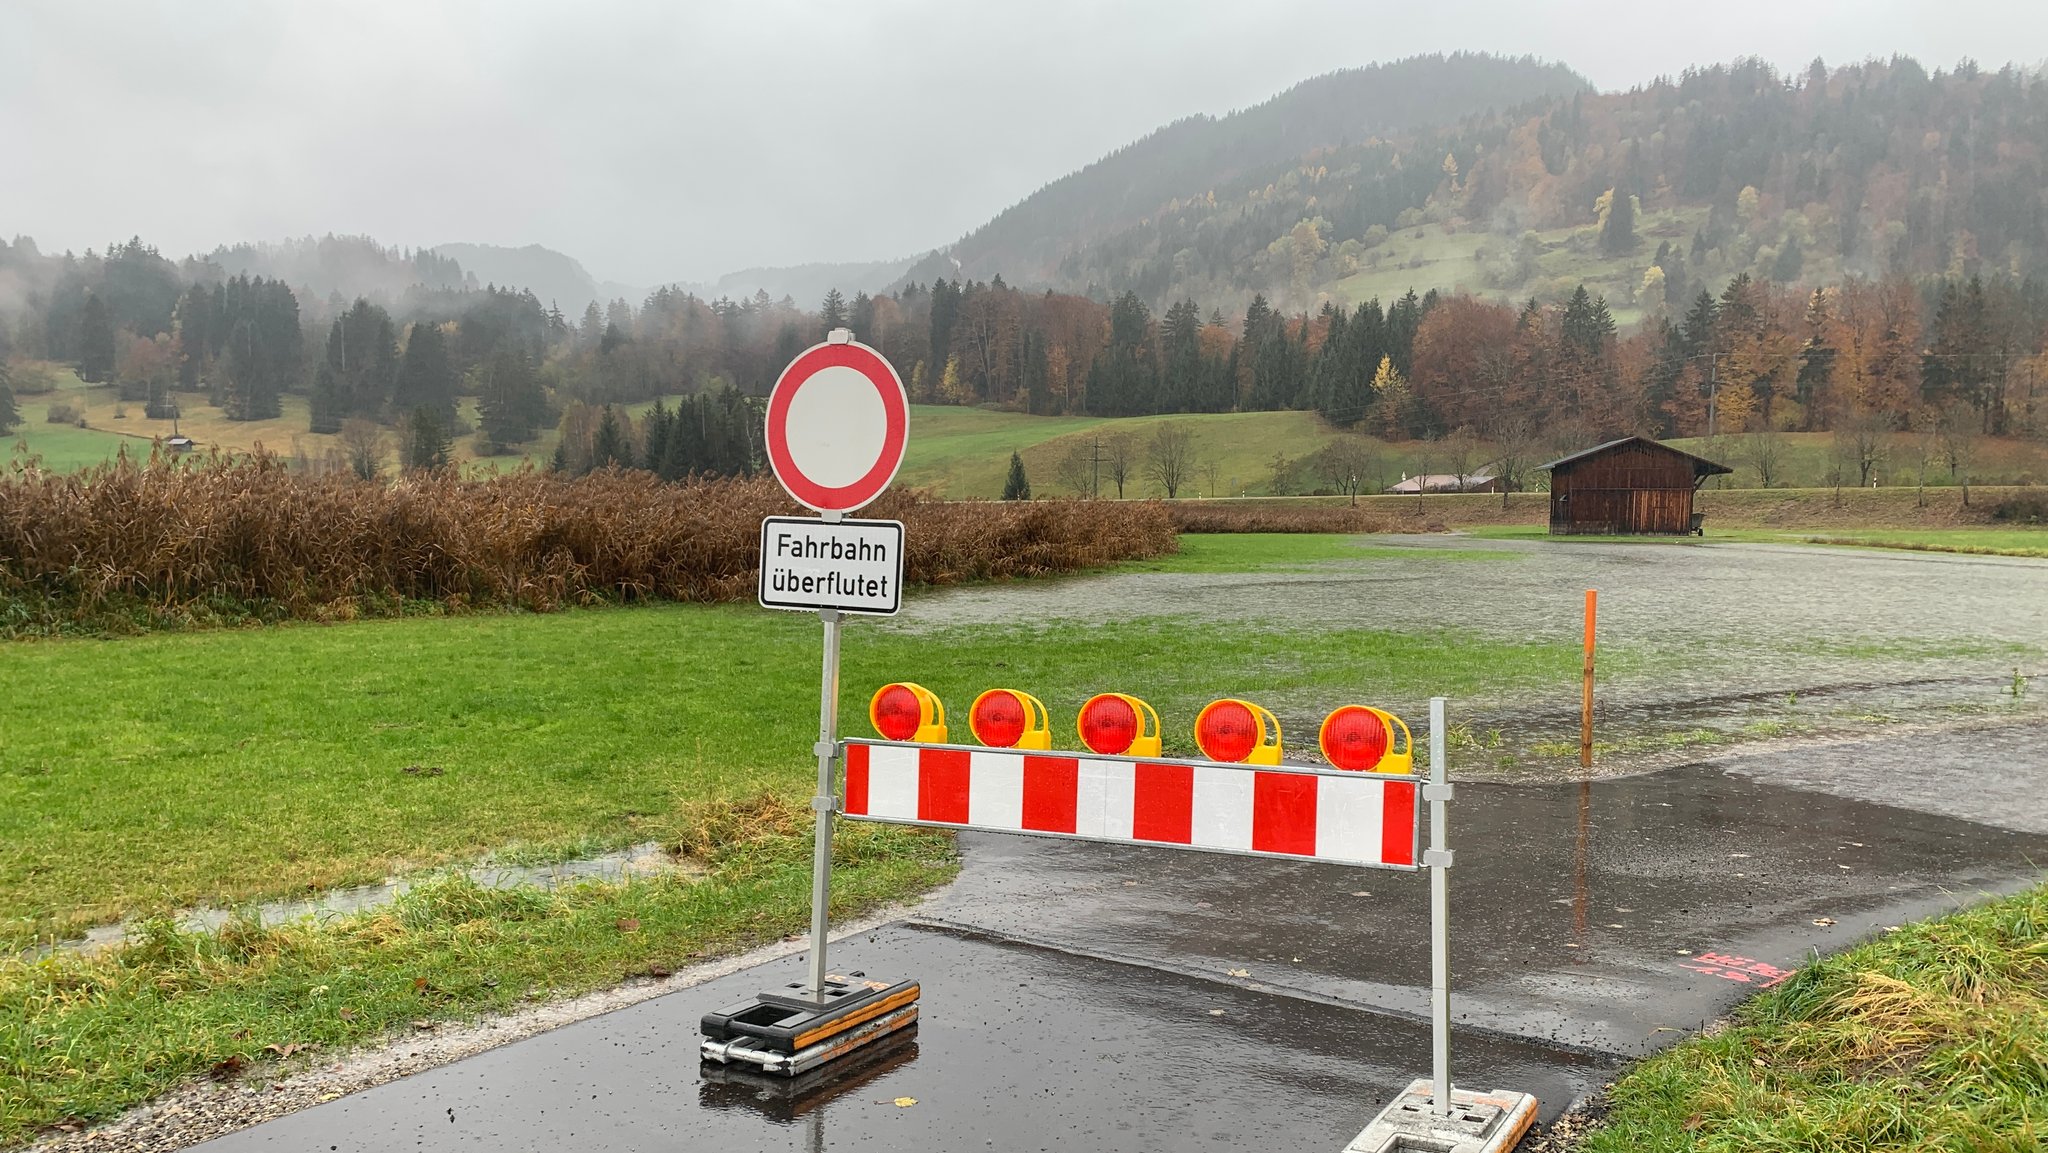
838,419
837,425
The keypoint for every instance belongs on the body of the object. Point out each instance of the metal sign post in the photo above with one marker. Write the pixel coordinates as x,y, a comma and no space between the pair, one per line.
838,420
822,804
1438,858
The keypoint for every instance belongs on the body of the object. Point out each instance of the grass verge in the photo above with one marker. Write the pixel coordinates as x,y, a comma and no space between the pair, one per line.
1931,1037
82,1037
1254,551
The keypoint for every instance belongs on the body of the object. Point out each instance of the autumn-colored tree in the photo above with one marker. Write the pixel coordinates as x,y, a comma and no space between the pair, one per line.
1394,401
1462,366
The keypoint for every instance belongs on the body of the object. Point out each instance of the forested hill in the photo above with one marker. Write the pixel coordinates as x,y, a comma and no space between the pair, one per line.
1876,168
1193,156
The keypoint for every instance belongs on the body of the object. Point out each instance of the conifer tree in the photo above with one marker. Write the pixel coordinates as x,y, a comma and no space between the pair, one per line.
426,376
426,440
833,311
609,447
96,342
1016,487
510,404
10,414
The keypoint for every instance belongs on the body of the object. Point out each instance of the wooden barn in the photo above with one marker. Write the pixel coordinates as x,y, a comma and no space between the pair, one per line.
1629,486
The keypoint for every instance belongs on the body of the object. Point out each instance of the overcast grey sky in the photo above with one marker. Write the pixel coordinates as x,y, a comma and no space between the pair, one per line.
672,140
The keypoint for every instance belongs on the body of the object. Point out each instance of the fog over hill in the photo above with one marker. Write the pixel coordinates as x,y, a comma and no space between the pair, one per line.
554,277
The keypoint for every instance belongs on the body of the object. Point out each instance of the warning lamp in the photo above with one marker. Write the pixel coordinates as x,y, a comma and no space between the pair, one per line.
908,712
1009,719
1117,724
1239,732
1364,739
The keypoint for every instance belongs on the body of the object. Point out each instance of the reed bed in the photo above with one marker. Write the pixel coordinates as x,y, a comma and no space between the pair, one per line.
224,539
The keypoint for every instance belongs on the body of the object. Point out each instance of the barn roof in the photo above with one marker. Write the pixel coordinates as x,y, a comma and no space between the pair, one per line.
1701,466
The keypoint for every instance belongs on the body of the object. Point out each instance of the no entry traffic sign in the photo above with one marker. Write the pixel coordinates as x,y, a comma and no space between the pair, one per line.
837,423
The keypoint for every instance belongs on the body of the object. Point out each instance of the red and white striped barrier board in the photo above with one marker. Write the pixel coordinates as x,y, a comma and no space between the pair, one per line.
1369,819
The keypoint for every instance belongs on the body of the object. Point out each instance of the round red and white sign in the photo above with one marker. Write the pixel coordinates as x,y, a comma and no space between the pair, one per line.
838,420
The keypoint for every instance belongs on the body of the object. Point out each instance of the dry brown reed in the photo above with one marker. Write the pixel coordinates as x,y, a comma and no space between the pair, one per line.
251,535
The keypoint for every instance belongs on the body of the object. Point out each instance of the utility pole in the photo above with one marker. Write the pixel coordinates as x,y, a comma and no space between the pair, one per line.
1713,389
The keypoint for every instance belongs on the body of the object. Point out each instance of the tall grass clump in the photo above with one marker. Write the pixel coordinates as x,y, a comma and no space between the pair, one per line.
1934,1036
170,543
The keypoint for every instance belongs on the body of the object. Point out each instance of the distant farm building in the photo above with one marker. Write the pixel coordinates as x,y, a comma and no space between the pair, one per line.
1445,482
1629,486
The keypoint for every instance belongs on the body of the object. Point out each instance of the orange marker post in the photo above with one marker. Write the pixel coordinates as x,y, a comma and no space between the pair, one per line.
1586,689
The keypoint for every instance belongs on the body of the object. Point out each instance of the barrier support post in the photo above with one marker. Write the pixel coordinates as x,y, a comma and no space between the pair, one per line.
1430,1113
1439,914
823,804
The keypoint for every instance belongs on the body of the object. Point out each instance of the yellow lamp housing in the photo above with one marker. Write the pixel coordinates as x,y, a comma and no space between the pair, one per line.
1009,719
1118,724
1365,739
1238,732
907,711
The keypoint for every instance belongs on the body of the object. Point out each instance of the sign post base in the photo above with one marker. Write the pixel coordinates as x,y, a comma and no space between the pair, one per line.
787,1031
1477,1123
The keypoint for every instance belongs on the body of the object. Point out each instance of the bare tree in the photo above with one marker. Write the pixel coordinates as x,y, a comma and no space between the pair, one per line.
1514,436
1459,451
1921,444
1171,456
1345,462
1076,470
1426,450
1119,458
1764,451
366,446
1283,468
1960,436
1841,458
1868,432
1212,472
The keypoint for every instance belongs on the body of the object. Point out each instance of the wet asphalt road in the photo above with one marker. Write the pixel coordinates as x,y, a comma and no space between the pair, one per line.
1072,990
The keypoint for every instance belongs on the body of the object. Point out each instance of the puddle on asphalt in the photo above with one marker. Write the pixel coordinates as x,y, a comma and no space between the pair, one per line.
642,860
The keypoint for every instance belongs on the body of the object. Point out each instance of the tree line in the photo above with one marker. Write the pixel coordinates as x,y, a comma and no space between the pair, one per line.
1757,355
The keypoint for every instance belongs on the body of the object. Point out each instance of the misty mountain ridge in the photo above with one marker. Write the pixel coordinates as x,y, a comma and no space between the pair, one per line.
1647,196
1201,154
553,277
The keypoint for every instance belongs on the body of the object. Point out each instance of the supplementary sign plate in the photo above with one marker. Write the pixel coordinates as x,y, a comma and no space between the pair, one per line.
855,566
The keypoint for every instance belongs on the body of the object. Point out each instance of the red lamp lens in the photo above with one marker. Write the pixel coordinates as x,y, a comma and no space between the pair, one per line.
998,720
1227,731
1109,725
898,714
1354,738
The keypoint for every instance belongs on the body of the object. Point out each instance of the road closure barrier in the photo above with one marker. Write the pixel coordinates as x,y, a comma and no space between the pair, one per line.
837,424
1283,811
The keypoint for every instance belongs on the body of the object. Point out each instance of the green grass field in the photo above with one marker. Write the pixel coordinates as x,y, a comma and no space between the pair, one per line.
132,781
155,773
1428,256
114,423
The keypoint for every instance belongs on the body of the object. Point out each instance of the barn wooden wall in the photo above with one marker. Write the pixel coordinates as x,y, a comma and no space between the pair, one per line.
1632,488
